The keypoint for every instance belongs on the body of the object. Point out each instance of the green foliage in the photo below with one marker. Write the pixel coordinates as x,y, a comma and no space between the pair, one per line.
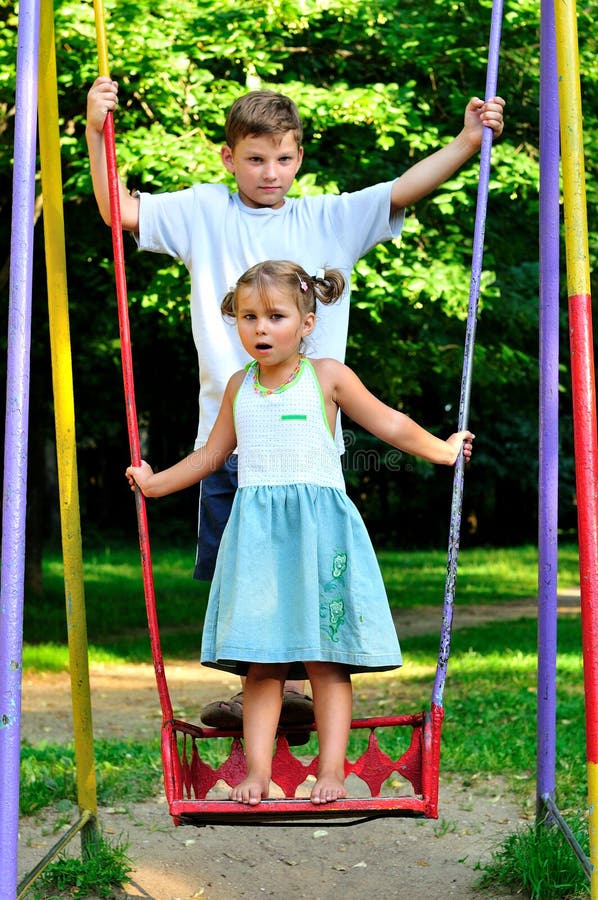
379,85
104,868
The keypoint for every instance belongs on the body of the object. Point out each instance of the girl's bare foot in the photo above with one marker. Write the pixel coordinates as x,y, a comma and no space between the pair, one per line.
328,787
251,790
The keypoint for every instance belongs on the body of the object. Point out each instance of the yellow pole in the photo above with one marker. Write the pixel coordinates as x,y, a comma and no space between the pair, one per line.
102,45
574,183
64,414
583,385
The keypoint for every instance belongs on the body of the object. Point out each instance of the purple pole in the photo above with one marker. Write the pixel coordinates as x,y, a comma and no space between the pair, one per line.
474,294
549,410
15,440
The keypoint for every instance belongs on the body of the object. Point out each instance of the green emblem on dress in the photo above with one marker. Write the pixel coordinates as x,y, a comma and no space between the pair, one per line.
332,607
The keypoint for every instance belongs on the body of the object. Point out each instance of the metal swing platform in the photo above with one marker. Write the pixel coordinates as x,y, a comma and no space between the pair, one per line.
190,781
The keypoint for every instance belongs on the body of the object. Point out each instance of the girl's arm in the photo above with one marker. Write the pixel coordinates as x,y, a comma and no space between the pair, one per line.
220,444
342,387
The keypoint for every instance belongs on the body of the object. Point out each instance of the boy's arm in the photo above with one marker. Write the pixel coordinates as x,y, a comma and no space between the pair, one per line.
195,467
428,174
101,99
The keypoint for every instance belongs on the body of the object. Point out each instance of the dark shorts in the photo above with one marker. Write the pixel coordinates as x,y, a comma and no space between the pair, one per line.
216,496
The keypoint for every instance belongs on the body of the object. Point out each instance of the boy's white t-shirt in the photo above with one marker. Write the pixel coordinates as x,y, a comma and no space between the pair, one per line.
218,238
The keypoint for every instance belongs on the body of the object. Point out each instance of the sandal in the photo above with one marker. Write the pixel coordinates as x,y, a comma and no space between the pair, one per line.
297,709
224,713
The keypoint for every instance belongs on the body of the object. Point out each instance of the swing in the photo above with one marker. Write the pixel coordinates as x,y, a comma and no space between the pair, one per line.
188,778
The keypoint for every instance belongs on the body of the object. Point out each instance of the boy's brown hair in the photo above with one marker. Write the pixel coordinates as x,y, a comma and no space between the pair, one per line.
262,112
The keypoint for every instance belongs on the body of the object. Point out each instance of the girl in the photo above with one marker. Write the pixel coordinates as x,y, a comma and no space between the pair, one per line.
297,589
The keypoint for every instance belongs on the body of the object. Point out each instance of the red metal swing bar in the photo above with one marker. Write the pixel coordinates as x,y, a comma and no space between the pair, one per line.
188,780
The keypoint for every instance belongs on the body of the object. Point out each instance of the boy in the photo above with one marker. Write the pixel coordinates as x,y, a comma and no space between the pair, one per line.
219,234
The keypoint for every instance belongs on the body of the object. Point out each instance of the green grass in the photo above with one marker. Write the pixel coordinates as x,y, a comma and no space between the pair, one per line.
115,605
131,648
489,730
490,704
537,861
490,700
114,596
492,673
126,772
484,575
98,873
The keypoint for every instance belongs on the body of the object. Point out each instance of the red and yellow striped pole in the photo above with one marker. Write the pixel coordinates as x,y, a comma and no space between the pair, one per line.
583,384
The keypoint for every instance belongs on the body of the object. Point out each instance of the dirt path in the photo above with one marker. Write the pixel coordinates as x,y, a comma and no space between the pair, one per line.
420,860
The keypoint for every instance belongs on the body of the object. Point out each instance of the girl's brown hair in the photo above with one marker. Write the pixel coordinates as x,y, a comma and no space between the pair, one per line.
327,285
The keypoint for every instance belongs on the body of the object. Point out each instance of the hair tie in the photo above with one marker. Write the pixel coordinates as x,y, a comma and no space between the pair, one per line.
320,273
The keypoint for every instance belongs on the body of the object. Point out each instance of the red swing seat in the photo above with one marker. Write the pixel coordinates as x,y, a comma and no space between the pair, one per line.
189,779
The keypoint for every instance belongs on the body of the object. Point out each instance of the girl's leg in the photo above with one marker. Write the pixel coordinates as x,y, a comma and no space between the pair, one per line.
333,702
262,700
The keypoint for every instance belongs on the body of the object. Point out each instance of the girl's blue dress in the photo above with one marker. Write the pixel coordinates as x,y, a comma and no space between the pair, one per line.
296,578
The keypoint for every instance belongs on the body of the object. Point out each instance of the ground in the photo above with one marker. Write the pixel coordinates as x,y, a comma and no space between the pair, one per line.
388,858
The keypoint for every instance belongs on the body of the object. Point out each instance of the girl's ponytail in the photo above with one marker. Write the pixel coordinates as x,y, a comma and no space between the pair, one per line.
328,285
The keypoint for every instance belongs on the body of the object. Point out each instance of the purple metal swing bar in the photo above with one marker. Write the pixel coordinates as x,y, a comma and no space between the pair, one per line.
14,497
466,379
548,476
188,780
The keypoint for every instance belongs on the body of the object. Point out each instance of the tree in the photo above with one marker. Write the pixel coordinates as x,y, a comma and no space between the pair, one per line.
379,85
